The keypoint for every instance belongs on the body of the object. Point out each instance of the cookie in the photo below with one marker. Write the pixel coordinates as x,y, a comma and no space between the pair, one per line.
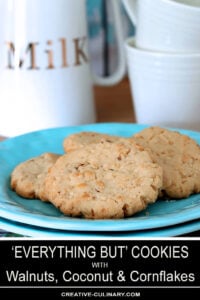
178,155
79,140
104,180
27,179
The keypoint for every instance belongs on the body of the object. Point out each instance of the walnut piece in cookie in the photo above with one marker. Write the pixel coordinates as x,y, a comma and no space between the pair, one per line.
178,155
27,178
104,180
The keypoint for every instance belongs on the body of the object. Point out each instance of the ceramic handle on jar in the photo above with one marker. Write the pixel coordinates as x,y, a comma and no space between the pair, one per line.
131,8
121,68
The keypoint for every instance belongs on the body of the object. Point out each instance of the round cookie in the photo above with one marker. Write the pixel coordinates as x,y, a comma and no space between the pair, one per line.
27,179
104,180
79,140
178,155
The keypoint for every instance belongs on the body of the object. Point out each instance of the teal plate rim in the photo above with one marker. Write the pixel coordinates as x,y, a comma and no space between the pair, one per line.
30,231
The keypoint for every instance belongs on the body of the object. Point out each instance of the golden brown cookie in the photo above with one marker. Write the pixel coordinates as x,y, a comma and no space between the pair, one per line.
104,180
27,179
79,140
178,155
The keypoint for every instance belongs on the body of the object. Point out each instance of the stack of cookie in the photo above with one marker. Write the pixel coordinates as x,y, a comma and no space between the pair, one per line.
102,176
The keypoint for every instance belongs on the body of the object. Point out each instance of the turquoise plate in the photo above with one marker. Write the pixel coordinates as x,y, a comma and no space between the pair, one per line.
37,213
39,232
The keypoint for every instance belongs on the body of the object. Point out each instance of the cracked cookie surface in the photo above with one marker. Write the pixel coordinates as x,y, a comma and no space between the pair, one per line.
27,178
81,139
178,155
104,180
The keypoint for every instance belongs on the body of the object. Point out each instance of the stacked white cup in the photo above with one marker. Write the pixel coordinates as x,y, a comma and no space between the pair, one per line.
164,62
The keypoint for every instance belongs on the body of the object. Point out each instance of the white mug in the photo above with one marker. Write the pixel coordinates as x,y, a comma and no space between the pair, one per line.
165,87
166,25
45,72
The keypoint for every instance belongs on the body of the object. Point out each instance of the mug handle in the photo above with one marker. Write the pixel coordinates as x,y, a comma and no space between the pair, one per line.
121,68
131,8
